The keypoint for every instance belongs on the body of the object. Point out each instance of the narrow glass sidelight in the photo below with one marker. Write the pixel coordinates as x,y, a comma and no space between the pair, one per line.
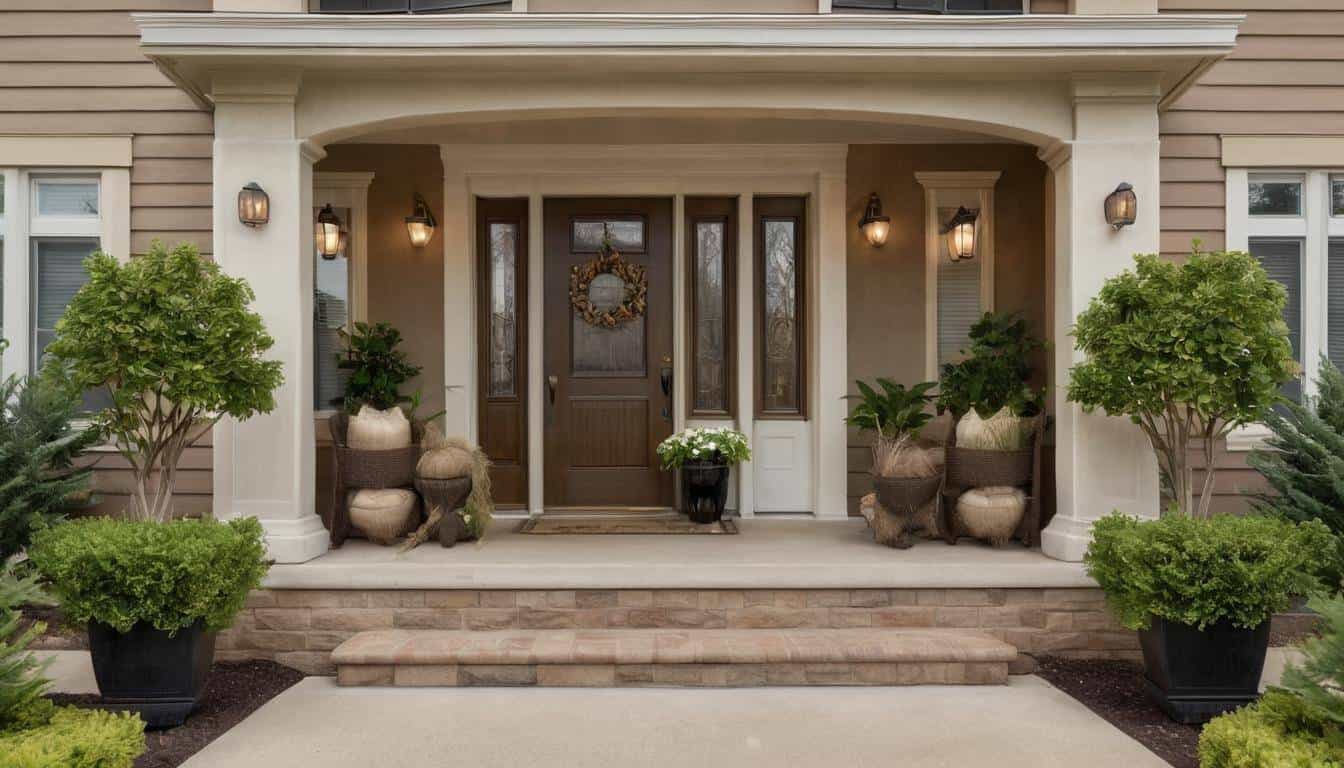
711,325
780,305
503,377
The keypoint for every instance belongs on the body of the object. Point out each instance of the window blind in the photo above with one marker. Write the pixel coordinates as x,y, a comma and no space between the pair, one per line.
932,6
1282,260
409,6
58,274
1334,309
958,306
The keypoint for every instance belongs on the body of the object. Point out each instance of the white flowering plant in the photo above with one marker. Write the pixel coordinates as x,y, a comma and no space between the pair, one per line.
717,445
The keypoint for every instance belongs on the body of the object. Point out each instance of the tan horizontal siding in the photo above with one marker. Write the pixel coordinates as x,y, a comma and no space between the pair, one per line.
75,67
1285,78
1049,6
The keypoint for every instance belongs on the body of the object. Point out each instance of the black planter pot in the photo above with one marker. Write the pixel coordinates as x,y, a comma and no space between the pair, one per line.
1197,675
147,671
704,487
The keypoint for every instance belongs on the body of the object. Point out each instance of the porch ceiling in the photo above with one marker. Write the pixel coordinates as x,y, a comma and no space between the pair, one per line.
193,47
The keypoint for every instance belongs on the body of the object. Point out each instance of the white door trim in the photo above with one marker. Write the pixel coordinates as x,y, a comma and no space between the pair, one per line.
674,172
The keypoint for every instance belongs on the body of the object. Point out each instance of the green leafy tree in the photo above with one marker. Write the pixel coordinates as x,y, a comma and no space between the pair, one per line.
38,478
1304,465
1186,351
170,339
378,368
995,371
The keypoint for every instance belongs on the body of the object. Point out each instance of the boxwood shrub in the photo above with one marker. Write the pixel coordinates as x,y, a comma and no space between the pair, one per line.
170,575
67,737
1279,731
1200,571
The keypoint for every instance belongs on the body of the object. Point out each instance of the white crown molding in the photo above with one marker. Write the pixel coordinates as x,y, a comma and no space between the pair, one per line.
958,179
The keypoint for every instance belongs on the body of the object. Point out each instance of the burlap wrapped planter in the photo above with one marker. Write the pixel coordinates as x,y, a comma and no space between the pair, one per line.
356,469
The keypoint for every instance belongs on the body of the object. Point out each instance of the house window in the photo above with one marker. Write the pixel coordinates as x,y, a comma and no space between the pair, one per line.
331,316
711,257
64,228
1293,223
408,6
931,6
781,260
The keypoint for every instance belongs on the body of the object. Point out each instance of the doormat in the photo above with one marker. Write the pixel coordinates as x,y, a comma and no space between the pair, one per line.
598,526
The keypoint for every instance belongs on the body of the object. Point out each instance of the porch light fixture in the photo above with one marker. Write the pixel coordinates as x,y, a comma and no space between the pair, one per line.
1122,207
254,205
420,224
327,233
875,226
961,234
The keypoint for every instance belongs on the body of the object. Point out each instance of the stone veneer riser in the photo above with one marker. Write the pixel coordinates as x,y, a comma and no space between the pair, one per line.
300,628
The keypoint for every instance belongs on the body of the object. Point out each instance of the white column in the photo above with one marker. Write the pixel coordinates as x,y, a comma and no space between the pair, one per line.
459,301
830,366
264,466
746,346
1102,463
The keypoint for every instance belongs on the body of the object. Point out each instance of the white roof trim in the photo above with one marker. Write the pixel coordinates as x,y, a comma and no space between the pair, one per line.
980,35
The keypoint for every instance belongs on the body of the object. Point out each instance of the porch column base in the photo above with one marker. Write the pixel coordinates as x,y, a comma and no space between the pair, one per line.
295,539
1066,538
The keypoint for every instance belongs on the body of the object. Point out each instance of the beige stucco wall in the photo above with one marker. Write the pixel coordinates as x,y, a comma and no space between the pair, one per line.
405,284
886,286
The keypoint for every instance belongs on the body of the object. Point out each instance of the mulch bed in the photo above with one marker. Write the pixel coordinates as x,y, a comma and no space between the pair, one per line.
59,635
1114,690
235,690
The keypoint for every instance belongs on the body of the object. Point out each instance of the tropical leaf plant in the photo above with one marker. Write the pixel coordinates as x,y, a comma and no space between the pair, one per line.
892,411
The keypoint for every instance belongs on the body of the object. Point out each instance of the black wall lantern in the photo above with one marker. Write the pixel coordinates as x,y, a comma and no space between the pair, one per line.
328,233
961,234
1122,207
420,224
875,226
254,205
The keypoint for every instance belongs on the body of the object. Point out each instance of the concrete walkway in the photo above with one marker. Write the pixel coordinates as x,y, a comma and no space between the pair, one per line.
1026,723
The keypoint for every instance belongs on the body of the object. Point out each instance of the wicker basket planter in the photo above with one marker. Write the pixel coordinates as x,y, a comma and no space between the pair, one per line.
448,495
356,469
904,495
974,468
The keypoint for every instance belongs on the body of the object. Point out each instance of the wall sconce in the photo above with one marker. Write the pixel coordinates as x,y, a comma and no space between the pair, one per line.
420,224
875,226
254,205
961,234
327,233
1122,207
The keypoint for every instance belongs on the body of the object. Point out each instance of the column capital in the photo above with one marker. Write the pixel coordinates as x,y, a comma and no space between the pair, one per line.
257,87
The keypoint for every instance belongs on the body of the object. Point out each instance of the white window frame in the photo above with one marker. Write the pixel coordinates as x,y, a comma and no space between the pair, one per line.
349,190
1315,227
945,189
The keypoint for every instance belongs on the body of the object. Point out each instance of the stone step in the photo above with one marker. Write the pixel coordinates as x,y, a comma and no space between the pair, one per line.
671,657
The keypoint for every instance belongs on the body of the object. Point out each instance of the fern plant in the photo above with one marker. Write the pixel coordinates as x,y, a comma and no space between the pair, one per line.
21,681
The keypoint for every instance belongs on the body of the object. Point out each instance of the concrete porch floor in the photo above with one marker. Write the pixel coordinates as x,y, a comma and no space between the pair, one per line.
767,554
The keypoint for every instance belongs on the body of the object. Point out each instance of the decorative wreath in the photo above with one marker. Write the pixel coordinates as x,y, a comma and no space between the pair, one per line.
608,261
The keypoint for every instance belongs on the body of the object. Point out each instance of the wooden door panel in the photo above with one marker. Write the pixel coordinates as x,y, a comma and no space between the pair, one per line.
608,411
501,269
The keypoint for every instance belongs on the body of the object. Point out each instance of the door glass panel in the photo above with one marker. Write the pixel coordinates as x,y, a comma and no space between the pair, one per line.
781,331
602,351
503,309
626,233
711,388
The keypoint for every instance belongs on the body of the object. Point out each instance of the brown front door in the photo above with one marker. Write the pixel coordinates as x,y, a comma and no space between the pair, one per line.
608,388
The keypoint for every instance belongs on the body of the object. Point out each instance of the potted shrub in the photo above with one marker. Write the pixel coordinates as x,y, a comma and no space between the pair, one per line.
1201,593
1188,352
169,340
153,594
905,475
705,457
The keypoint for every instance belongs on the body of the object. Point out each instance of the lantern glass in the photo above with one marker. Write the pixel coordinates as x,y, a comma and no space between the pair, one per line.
961,235
875,226
254,205
1122,207
420,224
327,232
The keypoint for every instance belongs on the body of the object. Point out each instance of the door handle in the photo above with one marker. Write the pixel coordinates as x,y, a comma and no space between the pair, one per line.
551,381
666,381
